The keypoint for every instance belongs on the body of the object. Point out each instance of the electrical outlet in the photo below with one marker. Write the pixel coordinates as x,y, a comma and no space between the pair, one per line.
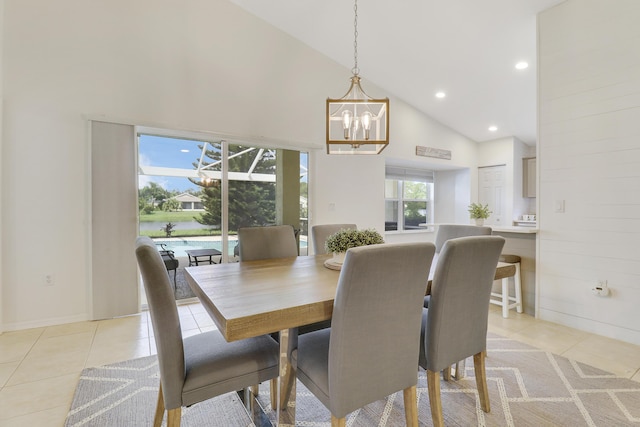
49,280
601,289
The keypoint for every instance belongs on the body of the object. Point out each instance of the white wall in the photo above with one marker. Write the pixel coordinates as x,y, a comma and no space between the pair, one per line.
198,65
589,157
453,195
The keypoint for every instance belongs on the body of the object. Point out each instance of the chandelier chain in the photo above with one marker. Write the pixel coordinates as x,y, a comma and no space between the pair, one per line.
355,69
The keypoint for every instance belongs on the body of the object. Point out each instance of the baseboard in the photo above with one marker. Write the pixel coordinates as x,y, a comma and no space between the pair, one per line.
592,326
42,323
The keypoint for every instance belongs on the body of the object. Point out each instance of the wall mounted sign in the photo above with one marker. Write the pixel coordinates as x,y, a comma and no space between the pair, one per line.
433,152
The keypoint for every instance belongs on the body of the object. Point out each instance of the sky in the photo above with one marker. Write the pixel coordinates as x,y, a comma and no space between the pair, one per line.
168,152
174,153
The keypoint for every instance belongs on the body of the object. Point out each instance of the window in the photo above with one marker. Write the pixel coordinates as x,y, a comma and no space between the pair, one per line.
408,199
181,182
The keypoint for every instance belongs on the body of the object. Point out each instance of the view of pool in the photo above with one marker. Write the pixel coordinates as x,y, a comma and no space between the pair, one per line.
179,245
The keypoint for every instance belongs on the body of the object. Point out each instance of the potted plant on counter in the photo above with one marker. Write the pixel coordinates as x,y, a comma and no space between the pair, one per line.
339,242
479,212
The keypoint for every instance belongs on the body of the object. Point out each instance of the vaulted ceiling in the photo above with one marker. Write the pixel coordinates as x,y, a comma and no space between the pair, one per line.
413,49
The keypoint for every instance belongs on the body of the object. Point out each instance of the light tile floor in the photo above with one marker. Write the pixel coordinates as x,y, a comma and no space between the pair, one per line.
39,368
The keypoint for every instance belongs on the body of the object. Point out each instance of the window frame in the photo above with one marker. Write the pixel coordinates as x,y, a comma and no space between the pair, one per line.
400,176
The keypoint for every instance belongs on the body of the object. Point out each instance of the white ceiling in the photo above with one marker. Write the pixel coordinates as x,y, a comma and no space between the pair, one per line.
414,48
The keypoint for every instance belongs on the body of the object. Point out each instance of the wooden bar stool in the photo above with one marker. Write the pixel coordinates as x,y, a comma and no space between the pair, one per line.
505,299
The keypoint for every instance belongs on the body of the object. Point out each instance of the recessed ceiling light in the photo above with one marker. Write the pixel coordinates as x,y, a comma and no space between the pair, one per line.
493,128
440,94
522,65
184,151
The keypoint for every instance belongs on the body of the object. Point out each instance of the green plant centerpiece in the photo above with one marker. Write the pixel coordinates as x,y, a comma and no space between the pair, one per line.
479,212
339,242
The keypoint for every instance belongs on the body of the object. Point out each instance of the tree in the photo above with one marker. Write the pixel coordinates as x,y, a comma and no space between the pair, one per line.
171,205
251,203
153,194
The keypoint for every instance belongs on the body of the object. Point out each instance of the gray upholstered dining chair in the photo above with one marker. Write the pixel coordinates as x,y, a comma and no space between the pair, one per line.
453,231
274,241
202,366
319,234
365,355
455,324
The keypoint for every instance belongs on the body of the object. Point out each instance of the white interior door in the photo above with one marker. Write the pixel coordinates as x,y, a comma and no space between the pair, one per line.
492,192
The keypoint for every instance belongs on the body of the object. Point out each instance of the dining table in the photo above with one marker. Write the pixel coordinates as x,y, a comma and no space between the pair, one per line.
253,298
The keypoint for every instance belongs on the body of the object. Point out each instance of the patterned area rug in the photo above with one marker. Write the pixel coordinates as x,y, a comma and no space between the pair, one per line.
527,386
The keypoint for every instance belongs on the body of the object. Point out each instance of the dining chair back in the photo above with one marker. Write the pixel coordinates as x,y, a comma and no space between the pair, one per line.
319,234
453,231
366,354
274,241
455,324
202,366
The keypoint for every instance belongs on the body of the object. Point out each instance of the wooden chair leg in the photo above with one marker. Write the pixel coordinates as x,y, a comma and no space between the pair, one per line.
173,417
433,385
255,389
411,406
338,422
446,374
274,393
157,420
481,380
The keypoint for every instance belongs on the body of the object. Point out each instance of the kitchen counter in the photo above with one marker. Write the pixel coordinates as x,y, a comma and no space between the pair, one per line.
521,241
513,229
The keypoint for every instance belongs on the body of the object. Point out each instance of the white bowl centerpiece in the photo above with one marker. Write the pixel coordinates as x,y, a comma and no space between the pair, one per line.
339,242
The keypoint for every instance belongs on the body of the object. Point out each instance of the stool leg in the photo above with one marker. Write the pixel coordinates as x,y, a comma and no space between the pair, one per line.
518,288
505,297
175,283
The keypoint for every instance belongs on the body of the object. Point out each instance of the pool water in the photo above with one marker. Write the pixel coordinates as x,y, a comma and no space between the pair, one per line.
179,246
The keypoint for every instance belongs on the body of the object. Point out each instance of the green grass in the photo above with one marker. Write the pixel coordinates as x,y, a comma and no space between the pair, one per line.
168,216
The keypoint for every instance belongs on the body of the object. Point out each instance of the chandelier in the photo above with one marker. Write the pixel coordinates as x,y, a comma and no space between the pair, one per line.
357,123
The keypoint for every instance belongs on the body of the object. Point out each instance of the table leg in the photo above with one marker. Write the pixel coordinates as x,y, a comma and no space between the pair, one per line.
286,414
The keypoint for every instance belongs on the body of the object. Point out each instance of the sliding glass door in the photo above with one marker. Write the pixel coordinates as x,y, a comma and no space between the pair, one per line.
195,194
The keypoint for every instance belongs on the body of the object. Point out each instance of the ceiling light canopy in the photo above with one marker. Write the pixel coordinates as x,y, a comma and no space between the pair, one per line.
357,123
440,94
493,128
522,65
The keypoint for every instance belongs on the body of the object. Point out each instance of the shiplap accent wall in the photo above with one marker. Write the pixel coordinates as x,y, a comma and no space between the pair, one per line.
589,157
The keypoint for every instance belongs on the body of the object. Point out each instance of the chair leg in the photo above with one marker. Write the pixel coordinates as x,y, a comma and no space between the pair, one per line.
481,380
173,417
505,297
274,393
433,384
411,406
157,420
461,369
338,422
446,374
518,288
255,389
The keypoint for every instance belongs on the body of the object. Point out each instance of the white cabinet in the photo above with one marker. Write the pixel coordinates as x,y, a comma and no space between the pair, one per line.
529,177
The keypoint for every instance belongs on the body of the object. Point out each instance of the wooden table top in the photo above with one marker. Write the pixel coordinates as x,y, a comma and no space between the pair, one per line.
253,298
